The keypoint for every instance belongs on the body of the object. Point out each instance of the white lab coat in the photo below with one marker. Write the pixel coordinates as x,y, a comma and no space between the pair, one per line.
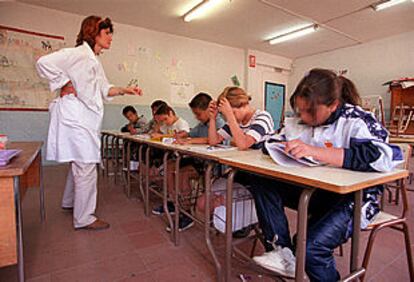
75,122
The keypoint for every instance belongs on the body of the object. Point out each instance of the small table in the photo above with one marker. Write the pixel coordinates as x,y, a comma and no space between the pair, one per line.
23,172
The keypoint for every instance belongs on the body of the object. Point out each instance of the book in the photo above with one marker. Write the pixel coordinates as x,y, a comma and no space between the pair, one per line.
7,155
280,156
216,148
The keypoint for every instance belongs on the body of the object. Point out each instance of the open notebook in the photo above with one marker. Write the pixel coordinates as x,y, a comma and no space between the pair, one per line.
277,153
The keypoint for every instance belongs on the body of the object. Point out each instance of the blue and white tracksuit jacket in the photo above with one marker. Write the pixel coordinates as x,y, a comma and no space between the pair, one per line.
364,141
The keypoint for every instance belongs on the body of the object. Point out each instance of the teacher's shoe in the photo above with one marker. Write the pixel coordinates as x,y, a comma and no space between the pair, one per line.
95,226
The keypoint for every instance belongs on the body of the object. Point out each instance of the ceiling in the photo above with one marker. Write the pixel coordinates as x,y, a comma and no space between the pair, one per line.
248,23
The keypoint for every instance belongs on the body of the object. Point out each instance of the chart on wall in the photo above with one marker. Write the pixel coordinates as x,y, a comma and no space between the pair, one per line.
20,86
275,102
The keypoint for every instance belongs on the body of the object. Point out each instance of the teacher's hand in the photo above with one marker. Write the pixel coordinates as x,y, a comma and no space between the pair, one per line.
68,89
133,90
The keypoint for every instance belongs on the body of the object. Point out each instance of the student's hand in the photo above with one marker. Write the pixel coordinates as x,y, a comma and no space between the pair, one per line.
156,135
299,149
181,134
212,110
131,129
133,90
225,108
182,141
68,89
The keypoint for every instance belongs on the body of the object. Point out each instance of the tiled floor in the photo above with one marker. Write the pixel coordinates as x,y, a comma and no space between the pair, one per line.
137,248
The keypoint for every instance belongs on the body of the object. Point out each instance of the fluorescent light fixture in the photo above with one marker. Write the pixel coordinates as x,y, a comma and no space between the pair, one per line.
386,4
200,9
293,34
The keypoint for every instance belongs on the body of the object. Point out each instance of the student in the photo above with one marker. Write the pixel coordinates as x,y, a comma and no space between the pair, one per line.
190,167
199,134
137,124
246,126
153,125
169,122
76,116
331,128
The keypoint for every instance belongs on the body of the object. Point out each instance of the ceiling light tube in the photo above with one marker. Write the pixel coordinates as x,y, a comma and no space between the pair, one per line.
386,4
293,34
200,9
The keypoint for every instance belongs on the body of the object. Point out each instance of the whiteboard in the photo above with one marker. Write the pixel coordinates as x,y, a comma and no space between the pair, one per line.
20,86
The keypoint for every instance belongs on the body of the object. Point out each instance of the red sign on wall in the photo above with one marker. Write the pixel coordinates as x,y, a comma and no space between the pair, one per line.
252,61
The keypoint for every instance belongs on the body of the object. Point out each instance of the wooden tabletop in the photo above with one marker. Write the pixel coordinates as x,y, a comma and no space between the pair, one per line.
193,150
19,164
336,180
402,139
115,133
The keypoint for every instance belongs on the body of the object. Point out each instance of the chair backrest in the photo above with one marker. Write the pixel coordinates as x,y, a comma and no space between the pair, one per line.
406,150
374,104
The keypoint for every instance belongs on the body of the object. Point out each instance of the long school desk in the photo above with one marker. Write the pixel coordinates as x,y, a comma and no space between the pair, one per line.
24,171
336,180
110,142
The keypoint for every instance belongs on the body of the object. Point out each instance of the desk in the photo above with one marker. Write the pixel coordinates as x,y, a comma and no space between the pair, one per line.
336,180
409,139
112,146
23,172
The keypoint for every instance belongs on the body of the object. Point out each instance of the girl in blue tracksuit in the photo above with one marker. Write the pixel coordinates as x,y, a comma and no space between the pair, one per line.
331,128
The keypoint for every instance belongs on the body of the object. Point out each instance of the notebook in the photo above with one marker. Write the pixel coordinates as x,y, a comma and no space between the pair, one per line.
278,154
7,155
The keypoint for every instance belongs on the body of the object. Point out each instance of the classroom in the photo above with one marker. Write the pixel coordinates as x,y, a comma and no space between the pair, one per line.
206,140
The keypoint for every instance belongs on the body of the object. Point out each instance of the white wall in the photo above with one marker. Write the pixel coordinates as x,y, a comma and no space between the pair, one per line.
369,65
208,66
155,58
269,68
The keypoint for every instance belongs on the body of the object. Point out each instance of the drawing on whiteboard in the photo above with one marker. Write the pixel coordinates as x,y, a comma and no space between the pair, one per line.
157,56
46,45
181,92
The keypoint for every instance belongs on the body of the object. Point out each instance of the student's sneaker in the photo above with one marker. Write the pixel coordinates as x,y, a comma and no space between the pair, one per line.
160,209
184,223
280,260
243,233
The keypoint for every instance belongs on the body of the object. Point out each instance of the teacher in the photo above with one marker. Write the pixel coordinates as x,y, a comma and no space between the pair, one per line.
76,115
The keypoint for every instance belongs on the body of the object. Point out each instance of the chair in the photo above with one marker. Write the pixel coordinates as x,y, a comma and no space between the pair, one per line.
399,223
374,104
397,184
401,118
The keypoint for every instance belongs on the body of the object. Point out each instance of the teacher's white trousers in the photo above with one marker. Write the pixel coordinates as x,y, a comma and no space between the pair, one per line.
80,192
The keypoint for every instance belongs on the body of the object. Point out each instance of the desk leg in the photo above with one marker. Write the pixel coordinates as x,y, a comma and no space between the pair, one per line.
176,203
101,165
106,149
19,227
147,170
165,195
113,155
128,168
140,171
41,190
207,216
356,230
229,220
116,141
302,225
